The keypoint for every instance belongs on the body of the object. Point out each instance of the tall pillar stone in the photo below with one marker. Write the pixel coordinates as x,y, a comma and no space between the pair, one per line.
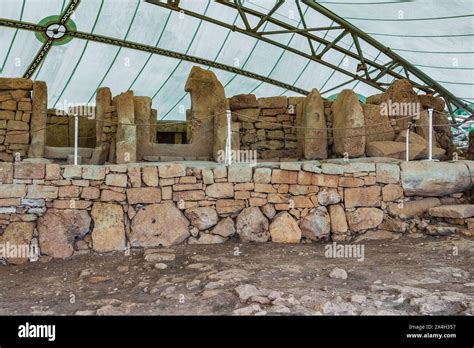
102,102
314,141
295,105
126,138
142,106
38,119
208,111
153,121
348,125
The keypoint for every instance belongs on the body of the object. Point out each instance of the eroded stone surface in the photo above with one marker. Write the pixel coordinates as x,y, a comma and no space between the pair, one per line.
158,224
284,229
252,225
58,229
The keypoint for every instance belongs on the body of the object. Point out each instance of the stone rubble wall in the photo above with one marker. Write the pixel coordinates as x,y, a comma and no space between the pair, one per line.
67,209
15,117
60,130
266,125
282,128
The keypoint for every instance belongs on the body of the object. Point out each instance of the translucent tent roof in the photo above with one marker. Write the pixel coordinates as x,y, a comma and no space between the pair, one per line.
150,46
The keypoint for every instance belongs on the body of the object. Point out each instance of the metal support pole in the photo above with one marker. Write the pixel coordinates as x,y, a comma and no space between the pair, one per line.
430,136
229,137
407,145
76,135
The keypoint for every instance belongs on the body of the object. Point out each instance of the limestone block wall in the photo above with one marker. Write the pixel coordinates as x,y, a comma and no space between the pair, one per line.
67,209
15,117
267,125
60,130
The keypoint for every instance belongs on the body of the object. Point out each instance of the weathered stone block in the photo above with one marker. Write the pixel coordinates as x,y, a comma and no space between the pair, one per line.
93,172
284,177
119,180
143,195
158,224
42,191
171,170
240,173
150,176
229,207
362,197
196,195
392,192
428,178
59,228
363,219
220,190
284,229
388,173
109,232
25,170
338,219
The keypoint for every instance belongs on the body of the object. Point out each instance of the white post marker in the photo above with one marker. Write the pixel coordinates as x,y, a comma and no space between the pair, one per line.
76,133
430,135
229,136
407,145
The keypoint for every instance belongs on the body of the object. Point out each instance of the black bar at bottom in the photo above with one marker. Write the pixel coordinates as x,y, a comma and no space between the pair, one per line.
292,331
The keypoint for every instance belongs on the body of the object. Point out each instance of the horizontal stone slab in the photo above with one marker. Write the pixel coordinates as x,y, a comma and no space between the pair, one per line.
455,211
431,178
15,83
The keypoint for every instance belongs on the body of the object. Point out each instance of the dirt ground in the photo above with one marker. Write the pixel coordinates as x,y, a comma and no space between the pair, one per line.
422,275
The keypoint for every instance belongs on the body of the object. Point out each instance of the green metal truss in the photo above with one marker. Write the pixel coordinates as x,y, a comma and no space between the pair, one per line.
371,71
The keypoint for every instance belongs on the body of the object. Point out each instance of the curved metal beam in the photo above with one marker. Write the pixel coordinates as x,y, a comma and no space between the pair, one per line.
400,61
376,69
156,50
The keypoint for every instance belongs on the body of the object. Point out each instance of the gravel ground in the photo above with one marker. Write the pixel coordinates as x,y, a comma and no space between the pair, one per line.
411,275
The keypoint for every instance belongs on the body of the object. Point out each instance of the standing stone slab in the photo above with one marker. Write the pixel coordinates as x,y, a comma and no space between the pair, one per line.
400,101
38,119
208,112
378,125
102,103
348,125
126,138
109,232
314,142
338,219
142,106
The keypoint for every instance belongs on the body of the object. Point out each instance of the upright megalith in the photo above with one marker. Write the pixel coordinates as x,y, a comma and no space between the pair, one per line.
126,138
142,119
348,125
208,111
313,127
38,119
103,102
400,102
377,125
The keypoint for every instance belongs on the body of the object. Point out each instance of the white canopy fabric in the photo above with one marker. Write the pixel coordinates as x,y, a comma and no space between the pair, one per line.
437,36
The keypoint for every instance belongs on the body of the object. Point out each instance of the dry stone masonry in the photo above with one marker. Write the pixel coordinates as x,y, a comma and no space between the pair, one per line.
67,209
15,117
